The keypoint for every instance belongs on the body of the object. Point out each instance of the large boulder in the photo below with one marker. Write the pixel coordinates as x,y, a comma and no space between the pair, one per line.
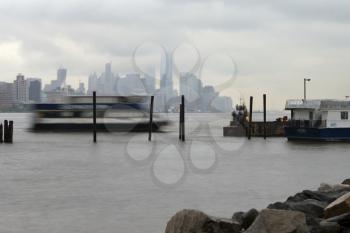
279,221
193,221
339,206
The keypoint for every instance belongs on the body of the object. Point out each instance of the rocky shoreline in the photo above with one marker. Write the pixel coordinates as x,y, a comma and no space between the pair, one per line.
326,210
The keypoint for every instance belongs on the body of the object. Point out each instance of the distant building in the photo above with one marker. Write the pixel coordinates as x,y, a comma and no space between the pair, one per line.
33,90
7,98
166,81
191,88
60,81
92,83
20,89
105,84
131,84
81,89
208,94
221,104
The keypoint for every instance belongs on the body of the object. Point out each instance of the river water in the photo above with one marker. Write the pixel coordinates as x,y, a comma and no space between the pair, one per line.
52,182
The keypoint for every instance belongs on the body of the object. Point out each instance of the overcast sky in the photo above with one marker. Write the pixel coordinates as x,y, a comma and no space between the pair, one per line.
275,44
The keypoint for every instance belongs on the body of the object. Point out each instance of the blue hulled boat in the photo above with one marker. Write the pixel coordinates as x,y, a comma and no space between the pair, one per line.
324,120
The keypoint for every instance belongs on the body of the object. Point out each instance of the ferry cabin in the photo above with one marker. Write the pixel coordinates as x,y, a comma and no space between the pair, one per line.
318,119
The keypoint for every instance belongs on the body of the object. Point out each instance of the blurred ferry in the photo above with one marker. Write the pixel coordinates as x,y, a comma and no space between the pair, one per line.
326,120
114,113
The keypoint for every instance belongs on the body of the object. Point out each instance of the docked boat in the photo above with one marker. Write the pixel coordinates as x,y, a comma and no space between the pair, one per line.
324,120
114,113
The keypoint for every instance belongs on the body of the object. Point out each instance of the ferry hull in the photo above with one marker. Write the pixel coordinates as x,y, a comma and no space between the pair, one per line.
87,127
318,134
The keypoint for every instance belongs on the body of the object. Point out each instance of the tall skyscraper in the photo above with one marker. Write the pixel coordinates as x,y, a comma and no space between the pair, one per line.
166,81
33,90
62,75
20,89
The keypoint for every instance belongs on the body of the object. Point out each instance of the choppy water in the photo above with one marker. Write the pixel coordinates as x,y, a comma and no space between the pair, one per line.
64,183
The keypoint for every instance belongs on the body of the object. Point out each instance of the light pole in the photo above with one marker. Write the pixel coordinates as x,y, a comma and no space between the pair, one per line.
305,80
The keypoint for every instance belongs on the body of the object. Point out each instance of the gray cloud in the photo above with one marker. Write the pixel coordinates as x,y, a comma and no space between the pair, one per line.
274,42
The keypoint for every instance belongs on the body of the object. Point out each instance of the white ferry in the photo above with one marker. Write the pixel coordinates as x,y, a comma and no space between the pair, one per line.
326,120
114,113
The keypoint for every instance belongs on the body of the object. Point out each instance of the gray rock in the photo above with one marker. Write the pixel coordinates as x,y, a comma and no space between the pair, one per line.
326,188
309,206
346,181
329,227
238,217
279,221
193,221
249,217
308,194
343,220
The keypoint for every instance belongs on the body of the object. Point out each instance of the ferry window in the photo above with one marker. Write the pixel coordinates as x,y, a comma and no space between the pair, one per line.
344,115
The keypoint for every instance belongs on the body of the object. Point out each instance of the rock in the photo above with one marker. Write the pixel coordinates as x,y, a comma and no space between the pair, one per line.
249,217
279,221
311,207
308,194
329,227
193,221
339,206
325,188
346,181
279,206
238,217
343,220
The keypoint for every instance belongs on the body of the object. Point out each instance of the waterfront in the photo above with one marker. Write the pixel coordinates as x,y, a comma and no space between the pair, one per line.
64,183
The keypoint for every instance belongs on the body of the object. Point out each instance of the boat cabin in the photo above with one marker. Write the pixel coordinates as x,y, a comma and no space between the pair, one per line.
319,113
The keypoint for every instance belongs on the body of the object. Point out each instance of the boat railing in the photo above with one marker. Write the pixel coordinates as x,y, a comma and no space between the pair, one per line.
307,123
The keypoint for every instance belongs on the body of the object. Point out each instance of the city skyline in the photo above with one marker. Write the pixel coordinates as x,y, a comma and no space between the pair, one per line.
198,96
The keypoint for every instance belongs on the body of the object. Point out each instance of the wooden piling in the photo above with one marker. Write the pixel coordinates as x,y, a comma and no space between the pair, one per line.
183,118
150,119
10,132
264,100
94,116
250,118
180,122
6,129
1,133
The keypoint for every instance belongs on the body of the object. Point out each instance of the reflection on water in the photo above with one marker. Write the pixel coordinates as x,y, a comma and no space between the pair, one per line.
54,182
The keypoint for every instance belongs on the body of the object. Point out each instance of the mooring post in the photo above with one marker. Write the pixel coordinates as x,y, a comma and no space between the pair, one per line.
6,129
264,100
94,115
10,139
250,117
180,122
150,119
183,118
1,134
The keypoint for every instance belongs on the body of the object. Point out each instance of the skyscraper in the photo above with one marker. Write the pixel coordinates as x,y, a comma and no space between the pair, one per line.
61,75
166,81
33,90
20,89
6,95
